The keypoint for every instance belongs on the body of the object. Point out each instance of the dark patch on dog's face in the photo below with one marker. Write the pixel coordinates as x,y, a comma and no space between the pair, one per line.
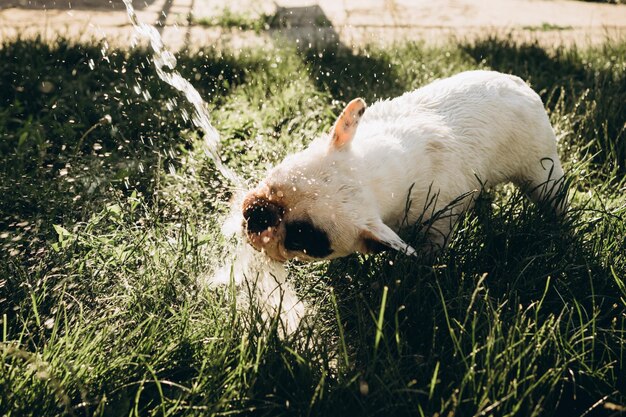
361,111
304,237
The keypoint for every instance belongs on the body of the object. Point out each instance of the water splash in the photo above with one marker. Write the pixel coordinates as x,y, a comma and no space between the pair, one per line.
274,294
269,278
165,64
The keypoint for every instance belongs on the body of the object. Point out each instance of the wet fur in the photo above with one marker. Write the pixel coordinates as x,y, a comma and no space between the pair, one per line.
446,139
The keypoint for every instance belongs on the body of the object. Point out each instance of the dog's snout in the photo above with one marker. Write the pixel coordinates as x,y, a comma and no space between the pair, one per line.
262,214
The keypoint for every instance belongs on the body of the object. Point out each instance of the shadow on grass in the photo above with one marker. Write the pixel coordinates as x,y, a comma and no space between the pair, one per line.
512,277
60,155
348,74
334,67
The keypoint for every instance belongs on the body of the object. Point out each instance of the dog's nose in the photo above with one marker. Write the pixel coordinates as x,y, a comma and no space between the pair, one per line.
261,214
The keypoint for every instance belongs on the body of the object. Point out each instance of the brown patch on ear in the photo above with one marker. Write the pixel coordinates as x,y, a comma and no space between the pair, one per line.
370,244
345,127
378,236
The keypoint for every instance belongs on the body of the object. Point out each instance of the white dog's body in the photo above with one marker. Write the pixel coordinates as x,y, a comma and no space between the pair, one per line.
427,147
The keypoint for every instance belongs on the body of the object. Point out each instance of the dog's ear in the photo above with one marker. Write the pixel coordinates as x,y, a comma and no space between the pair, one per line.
378,237
345,127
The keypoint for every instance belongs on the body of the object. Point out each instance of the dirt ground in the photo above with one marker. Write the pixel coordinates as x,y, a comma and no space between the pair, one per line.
352,22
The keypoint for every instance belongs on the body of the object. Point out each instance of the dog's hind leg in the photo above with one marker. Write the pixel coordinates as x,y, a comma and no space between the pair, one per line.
545,184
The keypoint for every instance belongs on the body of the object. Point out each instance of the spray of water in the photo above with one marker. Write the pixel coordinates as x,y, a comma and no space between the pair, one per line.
165,64
268,278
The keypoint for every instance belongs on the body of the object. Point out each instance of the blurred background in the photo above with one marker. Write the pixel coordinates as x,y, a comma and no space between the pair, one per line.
189,22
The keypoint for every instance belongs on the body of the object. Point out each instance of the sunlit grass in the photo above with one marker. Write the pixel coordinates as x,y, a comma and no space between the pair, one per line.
237,20
108,230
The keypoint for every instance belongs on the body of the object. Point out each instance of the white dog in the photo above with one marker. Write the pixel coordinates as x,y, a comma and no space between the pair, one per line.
401,161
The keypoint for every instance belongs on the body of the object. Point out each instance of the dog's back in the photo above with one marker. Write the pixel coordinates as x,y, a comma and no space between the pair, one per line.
460,133
349,190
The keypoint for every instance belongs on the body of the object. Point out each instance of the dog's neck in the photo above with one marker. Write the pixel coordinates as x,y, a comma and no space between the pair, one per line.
382,171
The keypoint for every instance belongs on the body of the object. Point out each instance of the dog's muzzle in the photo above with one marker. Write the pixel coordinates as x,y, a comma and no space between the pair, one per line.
261,214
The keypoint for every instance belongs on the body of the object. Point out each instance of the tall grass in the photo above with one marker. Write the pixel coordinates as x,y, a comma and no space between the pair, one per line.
106,239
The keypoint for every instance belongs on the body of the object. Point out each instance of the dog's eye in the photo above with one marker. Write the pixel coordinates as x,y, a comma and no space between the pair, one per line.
304,237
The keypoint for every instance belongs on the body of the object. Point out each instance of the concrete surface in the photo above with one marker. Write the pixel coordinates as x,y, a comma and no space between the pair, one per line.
352,22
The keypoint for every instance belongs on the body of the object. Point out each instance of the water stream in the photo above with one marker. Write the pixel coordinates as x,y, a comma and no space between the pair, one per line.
274,294
165,64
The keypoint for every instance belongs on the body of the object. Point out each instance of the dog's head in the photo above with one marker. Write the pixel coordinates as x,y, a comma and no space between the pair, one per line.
313,205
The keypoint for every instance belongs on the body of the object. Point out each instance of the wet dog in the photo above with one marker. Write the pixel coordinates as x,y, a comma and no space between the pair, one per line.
352,189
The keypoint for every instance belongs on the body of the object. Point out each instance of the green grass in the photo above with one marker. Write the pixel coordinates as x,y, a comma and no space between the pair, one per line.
545,27
238,20
282,18
106,237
